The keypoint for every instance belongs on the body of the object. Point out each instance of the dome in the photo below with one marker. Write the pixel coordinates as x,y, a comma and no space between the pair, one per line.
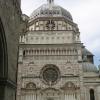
89,67
48,10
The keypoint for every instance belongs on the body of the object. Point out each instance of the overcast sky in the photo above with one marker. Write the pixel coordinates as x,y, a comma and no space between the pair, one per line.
86,13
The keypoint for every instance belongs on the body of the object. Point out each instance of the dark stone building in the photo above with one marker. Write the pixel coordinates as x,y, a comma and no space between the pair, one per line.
10,21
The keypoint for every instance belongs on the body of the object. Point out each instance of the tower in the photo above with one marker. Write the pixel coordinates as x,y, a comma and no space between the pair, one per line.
53,63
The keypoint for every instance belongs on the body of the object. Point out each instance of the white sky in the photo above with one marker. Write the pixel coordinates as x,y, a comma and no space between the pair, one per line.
86,13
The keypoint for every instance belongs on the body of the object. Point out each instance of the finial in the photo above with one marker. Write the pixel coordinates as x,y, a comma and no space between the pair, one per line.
50,2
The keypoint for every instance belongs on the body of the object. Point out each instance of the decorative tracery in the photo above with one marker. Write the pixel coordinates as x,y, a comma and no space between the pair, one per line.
31,85
69,86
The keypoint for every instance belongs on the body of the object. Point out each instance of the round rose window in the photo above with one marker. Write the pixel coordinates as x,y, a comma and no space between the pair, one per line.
50,74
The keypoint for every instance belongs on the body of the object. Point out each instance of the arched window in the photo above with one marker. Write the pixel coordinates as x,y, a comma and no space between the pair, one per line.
24,53
92,97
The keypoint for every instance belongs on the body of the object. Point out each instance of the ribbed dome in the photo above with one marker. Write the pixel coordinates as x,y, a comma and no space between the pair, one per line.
53,11
89,67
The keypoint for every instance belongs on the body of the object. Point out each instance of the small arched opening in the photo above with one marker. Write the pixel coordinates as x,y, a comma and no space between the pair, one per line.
92,96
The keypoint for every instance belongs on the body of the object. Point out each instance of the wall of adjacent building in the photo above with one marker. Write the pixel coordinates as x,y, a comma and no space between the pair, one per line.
10,15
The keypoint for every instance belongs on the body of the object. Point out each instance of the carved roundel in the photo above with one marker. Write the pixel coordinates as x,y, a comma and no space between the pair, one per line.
50,74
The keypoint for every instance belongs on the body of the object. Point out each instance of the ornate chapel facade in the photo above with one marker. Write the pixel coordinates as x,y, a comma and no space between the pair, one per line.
53,64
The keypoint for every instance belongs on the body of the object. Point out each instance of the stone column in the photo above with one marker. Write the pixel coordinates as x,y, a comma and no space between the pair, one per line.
78,96
73,96
66,96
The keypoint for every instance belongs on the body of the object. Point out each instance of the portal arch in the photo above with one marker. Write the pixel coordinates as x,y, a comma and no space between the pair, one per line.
3,52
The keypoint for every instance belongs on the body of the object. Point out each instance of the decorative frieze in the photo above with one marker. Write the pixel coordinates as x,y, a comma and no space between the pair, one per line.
50,51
